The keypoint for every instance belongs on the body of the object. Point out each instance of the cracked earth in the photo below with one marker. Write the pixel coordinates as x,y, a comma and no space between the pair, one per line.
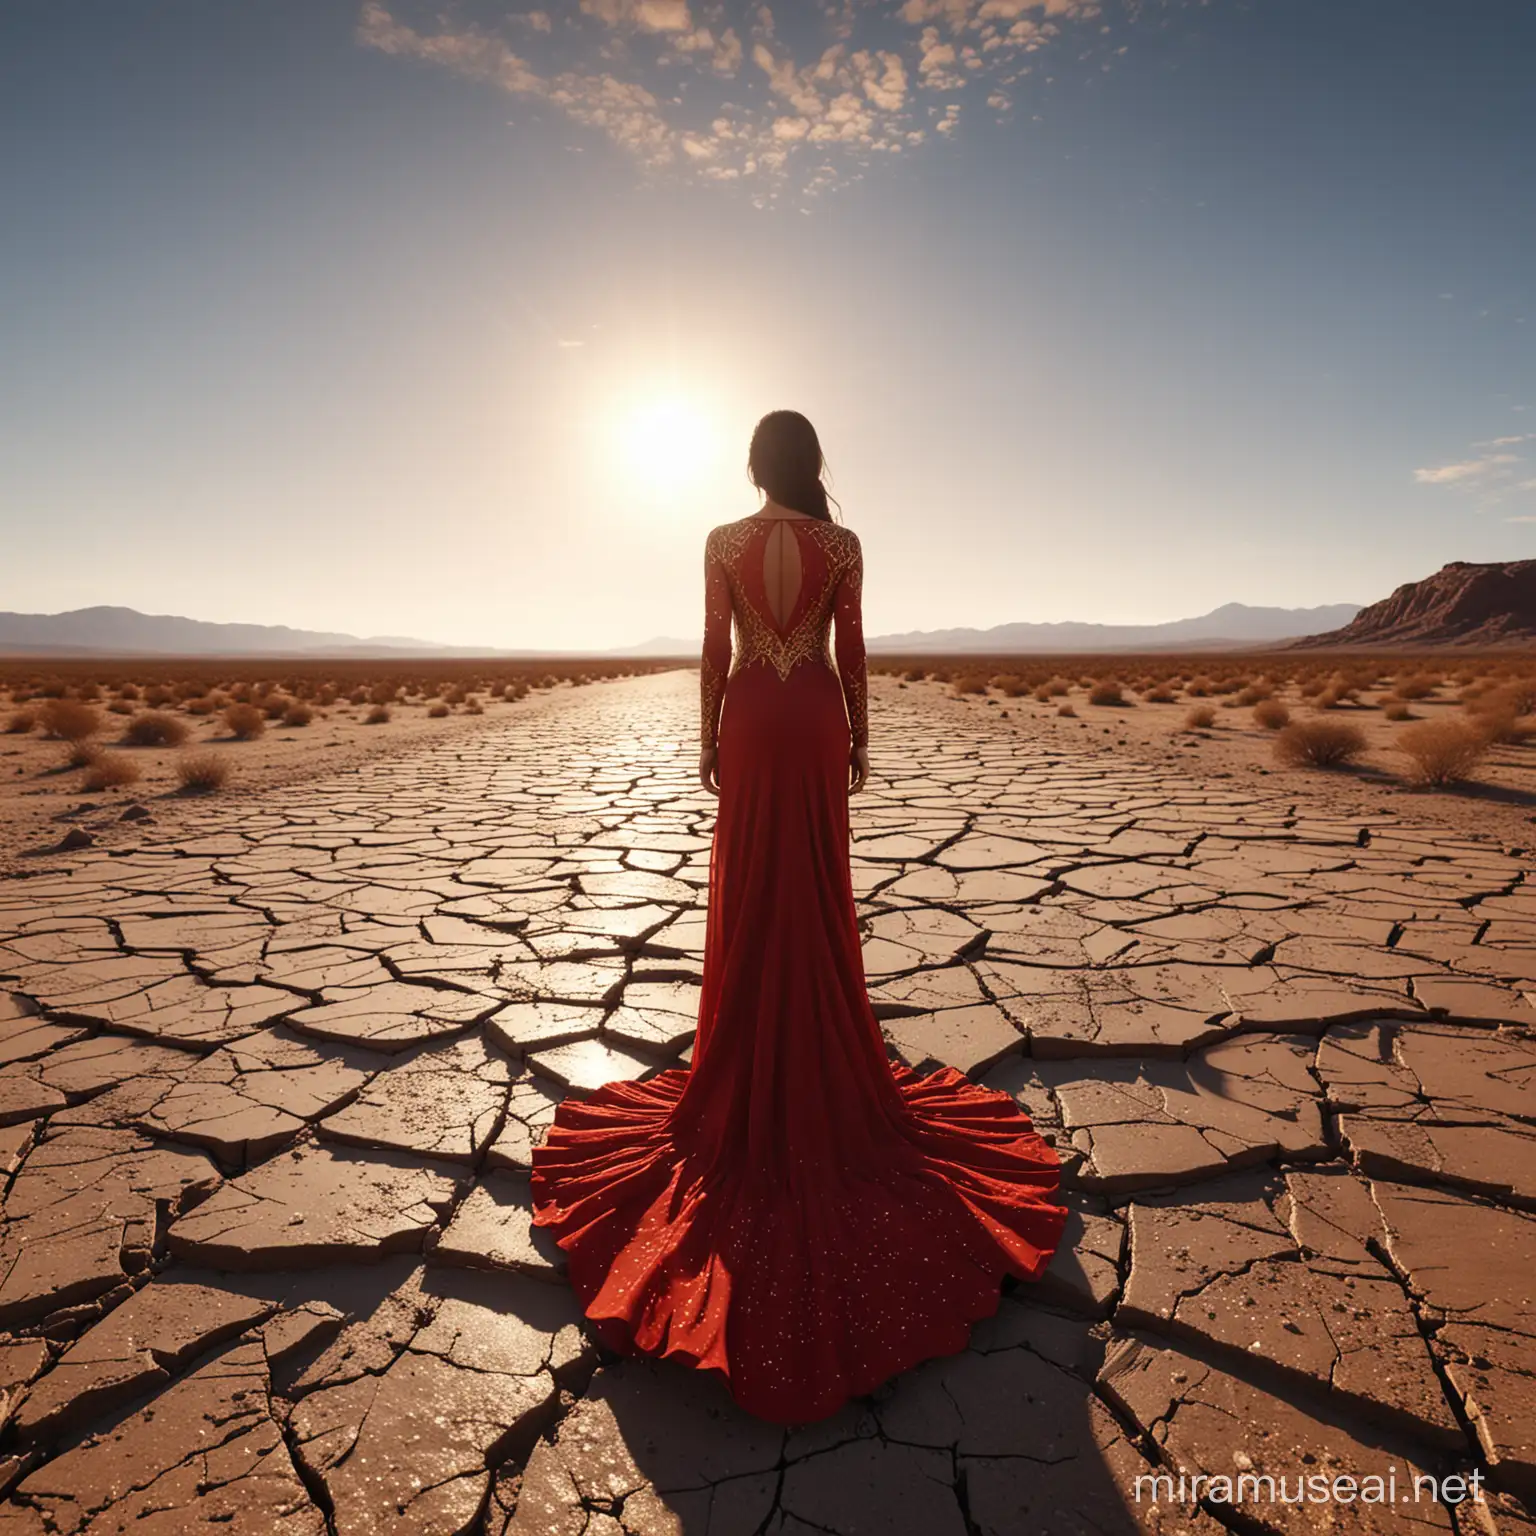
271,1082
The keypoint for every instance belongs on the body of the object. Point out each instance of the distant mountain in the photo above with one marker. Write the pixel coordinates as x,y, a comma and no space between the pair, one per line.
127,632
1233,624
1461,604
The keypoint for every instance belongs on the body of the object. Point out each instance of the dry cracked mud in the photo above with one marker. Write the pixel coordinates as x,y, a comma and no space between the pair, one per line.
270,1082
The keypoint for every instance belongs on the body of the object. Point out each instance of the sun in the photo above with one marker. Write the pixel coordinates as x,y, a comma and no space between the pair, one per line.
668,441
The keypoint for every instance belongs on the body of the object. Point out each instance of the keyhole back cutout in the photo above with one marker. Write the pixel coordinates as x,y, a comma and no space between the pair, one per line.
782,572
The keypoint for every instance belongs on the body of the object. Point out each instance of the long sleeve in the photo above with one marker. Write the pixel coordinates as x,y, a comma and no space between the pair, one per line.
715,663
847,610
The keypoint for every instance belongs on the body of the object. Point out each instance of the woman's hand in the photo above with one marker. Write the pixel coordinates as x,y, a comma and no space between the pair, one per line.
858,769
709,773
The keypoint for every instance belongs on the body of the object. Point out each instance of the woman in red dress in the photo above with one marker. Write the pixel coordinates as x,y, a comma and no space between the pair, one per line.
794,1211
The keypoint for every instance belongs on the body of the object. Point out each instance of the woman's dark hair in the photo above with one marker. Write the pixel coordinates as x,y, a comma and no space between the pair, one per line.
786,461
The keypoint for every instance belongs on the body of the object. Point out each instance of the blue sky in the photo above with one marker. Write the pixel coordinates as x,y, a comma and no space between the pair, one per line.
451,319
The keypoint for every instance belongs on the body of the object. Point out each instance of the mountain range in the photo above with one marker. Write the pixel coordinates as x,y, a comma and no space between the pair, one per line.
1461,604
127,632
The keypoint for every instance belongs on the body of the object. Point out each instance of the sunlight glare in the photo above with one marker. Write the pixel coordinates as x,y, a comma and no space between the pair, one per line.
668,442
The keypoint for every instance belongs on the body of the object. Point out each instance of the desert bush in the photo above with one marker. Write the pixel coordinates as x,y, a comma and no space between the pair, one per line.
1271,714
1065,709
1419,685
202,772
1442,752
473,706
205,704
1397,709
1319,743
914,675
969,682
1106,690
297,713
385,693
20,723
128,691
70,720
110,770
438,711
245,721
1199,687
81,754
154,728
1162,693
358,696
157,695
89,693
1010,685
1201,718
1254,693
378,715
275,705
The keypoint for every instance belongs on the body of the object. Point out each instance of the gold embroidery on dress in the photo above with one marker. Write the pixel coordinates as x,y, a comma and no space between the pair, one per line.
756,639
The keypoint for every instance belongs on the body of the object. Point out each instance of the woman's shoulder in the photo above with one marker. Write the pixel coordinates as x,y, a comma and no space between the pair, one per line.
725,536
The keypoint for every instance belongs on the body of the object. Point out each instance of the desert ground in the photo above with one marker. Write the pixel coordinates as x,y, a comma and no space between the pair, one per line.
276,1058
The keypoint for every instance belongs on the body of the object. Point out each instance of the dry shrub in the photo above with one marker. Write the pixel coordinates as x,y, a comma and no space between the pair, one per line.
473,706
1201,718
89,693
1010,685
157,694
358,696
1065,709
128,691
384,693
1106,690
1442,751
1254,693
298,713
204,705
1501,714
969,682
1397,709
275,705
378,715
914,675
1199,687
245,721
110,770
20,723
1418,686
81,754
202,772
1319,743
438,711
70,720
155,729
1271,714
1162,693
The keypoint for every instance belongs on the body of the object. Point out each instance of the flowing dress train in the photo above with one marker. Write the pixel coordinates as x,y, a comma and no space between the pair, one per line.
794,1211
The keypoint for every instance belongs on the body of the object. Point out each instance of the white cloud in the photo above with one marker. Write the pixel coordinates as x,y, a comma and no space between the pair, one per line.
1468,469
647,15
794,119
1507,442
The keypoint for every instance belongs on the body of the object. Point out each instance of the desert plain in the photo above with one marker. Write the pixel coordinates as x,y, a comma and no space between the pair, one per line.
277,1049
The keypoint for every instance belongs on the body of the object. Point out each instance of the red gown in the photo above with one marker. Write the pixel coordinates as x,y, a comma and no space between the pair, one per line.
794,1211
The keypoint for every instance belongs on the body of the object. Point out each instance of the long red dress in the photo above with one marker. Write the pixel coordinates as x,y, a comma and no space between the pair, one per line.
795,1211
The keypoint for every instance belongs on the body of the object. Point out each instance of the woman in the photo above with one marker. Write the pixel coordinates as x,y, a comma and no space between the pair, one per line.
794,1211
